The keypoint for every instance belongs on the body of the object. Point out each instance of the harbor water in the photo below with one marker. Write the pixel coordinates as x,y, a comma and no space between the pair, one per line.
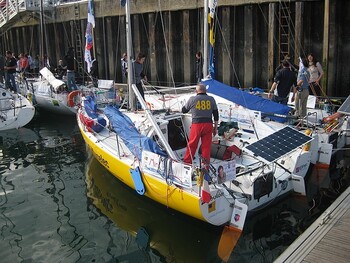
58,204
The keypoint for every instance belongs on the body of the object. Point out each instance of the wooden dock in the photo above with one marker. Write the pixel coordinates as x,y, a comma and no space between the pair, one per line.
327,239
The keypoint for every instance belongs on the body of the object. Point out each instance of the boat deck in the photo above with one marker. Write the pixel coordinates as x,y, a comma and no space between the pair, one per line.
327,239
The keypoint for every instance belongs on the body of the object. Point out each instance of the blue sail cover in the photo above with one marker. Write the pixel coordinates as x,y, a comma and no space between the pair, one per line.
127,131
249,101
90,107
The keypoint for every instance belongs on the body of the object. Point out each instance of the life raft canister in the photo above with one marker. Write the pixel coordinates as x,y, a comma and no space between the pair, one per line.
334,116
71,100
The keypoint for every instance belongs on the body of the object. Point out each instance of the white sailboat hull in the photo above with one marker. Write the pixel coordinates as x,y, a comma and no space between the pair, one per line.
16,111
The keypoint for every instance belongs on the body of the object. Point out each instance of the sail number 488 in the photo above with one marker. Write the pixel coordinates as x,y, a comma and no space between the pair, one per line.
203,105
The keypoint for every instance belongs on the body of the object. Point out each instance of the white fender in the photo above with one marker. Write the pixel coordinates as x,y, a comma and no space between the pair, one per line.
325,153
298,184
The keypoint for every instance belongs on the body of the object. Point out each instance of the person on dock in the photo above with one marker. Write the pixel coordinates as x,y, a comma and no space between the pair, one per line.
69,60
10,71
284,80
124,65
36,65
138,73
302,90
61,70
316,73
94,73
202,107
46,62
199,67
23,63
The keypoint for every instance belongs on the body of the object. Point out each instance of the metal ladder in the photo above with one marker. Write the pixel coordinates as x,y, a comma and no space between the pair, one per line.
78,41
284,30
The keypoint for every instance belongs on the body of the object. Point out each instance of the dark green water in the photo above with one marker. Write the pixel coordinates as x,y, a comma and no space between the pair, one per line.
58,204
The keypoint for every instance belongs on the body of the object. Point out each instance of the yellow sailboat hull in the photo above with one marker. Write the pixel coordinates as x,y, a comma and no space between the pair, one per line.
159,191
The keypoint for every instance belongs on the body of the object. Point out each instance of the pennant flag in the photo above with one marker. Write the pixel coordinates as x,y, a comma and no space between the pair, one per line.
88,35
212,7
211,19
91,13
88,59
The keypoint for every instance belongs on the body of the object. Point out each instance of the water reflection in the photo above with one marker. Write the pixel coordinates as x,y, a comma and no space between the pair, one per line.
150,228
37,181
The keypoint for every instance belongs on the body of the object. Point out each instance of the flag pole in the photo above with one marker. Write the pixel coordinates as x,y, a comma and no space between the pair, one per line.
205,39
129,56
42,36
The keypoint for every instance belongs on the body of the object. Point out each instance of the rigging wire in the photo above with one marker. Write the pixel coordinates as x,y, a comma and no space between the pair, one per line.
166,45
229,54
218,25
146,65
117,48
66,33
31,41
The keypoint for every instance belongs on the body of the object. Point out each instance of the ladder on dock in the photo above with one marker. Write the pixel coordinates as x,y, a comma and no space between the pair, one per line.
78,41
285,33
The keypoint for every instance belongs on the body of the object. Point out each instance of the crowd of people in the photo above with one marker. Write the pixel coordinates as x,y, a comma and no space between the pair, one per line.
301,81
10,64
25,64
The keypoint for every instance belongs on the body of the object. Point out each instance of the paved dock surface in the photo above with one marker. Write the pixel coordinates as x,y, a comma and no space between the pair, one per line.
327,239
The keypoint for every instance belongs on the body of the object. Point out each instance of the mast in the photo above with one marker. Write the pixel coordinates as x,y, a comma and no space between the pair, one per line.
154,123
42,37
205,40
129,51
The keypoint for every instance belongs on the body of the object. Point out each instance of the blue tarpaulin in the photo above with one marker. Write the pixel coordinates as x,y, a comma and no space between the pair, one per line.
90,107
127,131
249,101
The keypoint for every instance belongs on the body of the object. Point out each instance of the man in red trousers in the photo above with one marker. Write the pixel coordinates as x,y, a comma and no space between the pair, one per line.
202,107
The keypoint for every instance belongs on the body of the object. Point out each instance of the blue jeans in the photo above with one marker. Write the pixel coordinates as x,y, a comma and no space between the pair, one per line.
10,81
71,81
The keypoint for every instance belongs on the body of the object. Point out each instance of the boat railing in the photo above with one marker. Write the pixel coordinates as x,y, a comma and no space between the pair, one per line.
7,106
151,89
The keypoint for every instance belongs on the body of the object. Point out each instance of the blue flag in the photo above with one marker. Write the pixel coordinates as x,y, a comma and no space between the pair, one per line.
122,2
